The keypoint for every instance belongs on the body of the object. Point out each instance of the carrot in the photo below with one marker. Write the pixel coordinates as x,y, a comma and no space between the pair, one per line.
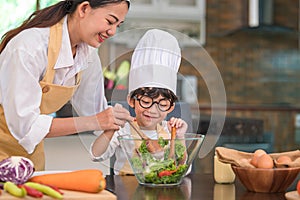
86,180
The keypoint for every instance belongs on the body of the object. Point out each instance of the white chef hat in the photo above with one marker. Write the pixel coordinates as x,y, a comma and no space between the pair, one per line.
155,61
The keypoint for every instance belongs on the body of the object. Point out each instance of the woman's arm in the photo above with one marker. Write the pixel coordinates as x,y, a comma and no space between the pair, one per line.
110,119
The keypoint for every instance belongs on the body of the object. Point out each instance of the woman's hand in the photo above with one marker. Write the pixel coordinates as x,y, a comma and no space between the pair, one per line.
113,117
180,125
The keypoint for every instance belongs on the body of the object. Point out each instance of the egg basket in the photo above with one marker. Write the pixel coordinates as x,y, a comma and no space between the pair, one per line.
266,180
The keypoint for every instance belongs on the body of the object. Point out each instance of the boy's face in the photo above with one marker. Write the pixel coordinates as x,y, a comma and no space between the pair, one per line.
148,118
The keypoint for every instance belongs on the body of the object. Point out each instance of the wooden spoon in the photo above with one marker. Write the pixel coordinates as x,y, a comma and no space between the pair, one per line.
152,145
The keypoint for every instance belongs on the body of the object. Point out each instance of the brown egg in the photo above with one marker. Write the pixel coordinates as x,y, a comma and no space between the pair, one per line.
283,160
259,152
265,161
256,155
253,161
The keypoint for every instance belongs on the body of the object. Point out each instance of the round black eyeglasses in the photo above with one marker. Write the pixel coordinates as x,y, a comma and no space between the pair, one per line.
146,102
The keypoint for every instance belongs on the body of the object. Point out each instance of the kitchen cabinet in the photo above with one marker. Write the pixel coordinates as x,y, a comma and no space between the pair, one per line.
186,17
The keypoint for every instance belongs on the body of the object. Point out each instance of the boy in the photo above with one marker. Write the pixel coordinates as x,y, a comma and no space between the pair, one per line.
152,94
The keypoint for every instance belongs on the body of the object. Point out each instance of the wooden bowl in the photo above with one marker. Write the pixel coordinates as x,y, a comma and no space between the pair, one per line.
266,180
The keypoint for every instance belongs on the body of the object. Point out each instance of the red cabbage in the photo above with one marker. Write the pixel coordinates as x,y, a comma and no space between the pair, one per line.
16,169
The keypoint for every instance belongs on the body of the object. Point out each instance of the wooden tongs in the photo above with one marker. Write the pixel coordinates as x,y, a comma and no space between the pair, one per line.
152,145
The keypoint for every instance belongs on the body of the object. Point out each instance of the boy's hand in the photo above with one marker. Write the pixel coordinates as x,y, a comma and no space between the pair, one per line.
180,125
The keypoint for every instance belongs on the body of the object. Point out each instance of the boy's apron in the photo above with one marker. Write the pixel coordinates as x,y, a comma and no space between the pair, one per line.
126,169
53,98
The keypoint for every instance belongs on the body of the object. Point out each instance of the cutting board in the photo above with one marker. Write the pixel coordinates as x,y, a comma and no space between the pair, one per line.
68,195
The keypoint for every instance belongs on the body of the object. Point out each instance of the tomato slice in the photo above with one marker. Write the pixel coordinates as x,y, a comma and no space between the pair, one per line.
166,173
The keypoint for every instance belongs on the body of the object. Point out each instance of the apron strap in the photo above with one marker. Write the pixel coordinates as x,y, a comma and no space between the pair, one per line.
53,50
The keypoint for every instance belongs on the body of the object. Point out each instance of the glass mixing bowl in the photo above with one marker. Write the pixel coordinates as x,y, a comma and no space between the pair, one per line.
165,167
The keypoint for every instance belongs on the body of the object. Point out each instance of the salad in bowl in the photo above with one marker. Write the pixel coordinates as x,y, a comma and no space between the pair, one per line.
166,169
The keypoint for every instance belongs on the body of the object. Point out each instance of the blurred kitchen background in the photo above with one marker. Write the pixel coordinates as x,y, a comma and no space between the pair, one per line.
254,44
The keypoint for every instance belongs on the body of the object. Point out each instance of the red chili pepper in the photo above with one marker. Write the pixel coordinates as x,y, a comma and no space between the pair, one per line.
31,191
166,173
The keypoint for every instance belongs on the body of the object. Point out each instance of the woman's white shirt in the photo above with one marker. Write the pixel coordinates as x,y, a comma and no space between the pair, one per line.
23,63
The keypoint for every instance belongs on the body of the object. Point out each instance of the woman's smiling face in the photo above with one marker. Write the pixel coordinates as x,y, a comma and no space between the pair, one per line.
94,26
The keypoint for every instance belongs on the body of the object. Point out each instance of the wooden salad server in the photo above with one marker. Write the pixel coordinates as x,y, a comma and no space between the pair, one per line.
152,145
172,143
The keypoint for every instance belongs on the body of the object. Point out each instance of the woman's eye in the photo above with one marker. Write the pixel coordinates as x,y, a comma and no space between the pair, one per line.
111,21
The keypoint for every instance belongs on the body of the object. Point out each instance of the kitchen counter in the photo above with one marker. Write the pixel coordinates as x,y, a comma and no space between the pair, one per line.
194,186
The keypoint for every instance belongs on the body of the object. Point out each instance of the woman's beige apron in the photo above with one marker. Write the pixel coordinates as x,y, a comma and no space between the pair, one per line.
53,98
126,169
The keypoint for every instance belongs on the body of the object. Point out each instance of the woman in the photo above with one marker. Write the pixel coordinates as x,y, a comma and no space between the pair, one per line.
47,61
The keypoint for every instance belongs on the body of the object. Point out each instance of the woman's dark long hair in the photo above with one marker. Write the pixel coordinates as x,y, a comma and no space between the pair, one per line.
51,15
